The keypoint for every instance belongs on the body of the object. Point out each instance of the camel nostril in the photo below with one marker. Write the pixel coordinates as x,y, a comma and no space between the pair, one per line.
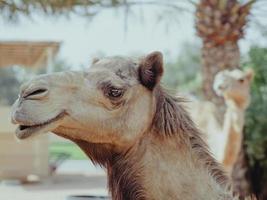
39,91
36,93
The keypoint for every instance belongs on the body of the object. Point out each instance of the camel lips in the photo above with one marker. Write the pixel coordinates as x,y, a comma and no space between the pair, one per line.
25,131
21,127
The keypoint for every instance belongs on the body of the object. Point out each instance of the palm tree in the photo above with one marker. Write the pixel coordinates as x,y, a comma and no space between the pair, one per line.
220,24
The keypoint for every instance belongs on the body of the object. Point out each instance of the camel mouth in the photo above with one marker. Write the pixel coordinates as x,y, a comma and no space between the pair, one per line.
25,131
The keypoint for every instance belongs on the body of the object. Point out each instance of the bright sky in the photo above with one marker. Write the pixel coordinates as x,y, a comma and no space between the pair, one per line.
83,39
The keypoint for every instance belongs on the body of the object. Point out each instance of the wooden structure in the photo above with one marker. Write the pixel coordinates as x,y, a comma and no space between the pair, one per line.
27,54
19,159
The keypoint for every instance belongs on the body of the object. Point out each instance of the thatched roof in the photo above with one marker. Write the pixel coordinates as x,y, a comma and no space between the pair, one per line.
27,54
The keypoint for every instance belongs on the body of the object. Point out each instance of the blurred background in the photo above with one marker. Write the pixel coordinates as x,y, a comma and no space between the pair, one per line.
198,39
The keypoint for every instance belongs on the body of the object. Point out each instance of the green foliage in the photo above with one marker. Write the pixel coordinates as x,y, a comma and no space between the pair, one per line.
256,117
69,148
12,9
184,73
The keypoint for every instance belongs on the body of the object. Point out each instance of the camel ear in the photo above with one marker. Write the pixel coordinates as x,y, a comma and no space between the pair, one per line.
249,74
151,69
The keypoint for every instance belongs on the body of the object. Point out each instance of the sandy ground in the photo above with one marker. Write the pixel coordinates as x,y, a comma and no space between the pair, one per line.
72,178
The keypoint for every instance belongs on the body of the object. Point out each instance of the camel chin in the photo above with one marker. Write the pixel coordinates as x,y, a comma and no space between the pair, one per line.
28,131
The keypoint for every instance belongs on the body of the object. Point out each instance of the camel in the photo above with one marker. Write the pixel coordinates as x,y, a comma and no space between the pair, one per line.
121,117
234,87
225,141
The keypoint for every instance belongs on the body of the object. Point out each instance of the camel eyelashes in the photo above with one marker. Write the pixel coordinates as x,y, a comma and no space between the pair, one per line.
114,93
111,91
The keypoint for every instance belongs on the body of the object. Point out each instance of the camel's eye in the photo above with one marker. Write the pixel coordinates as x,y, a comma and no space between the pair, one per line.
115,92
241,80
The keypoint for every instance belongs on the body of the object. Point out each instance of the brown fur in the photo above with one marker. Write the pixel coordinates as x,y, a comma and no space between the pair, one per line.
231,154
123,173
170,121
151,70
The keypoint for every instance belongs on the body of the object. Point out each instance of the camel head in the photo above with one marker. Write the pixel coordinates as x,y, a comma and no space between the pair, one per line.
234,86
110,103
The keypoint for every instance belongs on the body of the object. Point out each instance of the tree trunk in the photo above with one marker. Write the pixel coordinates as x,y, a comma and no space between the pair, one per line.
241,175
215,59
220,24
248,180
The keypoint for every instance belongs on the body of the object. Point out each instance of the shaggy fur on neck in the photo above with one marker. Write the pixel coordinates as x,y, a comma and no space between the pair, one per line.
124,169
172,119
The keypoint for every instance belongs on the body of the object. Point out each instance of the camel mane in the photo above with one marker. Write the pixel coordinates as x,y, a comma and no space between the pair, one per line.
171,119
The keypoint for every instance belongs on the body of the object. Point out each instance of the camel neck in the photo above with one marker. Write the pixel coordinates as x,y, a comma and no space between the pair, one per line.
125,175
161,168
234,117
236,105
